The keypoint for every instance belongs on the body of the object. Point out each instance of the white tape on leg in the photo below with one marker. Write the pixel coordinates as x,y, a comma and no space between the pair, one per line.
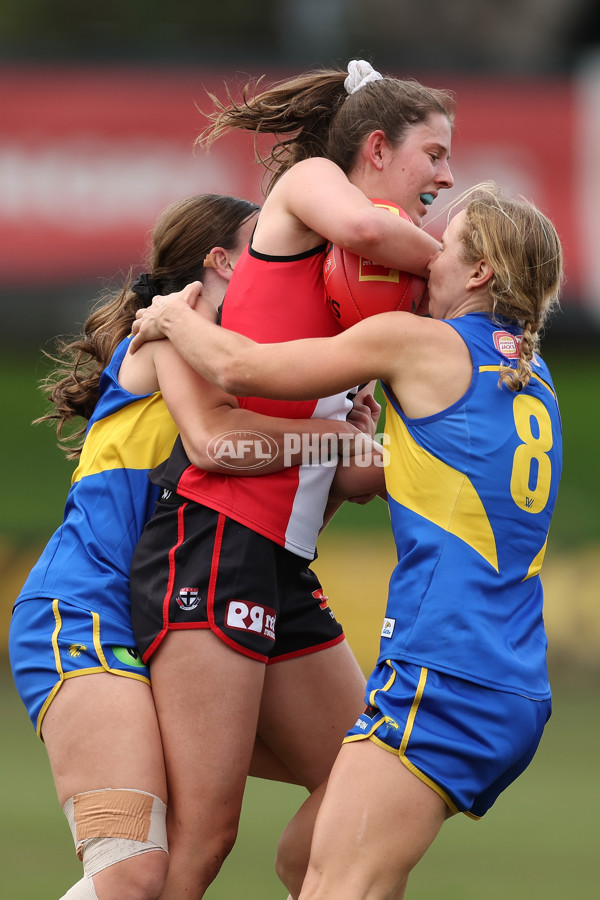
83,890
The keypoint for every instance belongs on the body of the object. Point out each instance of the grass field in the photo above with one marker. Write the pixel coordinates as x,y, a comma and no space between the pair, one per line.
539,841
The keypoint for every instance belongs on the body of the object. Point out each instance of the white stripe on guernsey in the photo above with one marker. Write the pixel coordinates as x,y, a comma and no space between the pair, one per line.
306,517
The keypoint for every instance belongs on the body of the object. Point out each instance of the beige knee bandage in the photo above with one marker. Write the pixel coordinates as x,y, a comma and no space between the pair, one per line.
83,890
111,825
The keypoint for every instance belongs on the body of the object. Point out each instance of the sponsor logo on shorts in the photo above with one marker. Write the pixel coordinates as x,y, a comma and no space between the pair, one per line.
188,598
251,617
509,345
242,449
129,656
370,712
323,601
388,627
76,650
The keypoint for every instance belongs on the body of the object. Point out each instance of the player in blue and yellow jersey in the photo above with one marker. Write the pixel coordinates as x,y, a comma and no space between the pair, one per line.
458,700
72,617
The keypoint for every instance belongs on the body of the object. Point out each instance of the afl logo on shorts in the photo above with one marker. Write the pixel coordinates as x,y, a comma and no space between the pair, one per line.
188,598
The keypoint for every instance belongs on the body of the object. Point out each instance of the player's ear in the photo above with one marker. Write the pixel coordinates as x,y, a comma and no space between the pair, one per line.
375,148
218,259
480,274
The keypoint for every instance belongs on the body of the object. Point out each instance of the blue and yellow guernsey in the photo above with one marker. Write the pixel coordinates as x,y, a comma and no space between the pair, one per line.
471,492
87,560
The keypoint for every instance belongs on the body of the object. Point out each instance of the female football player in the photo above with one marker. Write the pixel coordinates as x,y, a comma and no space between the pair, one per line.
459,697
72,617
261,631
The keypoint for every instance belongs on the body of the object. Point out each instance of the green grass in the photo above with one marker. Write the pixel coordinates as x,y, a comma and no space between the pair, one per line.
538,841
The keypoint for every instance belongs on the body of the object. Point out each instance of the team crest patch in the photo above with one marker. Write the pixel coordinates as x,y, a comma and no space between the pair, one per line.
76,650
188,598
388,627
509,345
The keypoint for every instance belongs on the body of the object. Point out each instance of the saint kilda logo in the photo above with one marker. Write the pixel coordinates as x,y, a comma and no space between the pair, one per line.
188,598
242,449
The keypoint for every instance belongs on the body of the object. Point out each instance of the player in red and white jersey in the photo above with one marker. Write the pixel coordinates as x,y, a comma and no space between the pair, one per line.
222,566
285,506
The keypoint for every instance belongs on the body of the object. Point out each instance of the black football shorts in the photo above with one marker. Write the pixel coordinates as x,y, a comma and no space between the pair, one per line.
194,567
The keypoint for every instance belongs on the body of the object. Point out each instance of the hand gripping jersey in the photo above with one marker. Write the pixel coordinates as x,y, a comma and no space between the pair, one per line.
87,560
471,494
271,299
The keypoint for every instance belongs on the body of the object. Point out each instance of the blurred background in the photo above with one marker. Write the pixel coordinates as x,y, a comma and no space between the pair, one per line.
100,104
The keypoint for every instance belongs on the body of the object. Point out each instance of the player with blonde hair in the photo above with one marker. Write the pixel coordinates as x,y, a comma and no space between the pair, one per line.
459,697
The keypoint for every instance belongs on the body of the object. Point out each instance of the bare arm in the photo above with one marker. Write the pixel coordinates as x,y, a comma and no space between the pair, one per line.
359,474
296,370
315,198
424,361
204,413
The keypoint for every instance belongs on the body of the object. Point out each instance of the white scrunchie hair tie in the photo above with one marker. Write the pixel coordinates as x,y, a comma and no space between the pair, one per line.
360,72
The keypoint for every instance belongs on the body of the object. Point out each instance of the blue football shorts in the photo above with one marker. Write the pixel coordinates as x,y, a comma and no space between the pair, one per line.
51,640
465,741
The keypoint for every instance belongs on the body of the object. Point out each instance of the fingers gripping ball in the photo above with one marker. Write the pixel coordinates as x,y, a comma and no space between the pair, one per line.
357,288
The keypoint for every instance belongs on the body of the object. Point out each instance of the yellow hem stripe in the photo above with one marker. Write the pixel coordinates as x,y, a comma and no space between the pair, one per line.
92,670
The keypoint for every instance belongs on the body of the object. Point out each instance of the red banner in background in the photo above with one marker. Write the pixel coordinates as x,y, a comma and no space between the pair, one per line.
89,156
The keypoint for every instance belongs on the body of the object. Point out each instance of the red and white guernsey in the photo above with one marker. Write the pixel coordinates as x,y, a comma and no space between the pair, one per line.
271,299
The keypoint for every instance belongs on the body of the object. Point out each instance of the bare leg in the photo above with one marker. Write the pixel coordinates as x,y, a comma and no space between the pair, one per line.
101,732
266,764
207,699
293,851
308,705
376,821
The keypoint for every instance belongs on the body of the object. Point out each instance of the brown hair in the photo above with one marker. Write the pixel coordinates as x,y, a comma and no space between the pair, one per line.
313,115
183,235
523,248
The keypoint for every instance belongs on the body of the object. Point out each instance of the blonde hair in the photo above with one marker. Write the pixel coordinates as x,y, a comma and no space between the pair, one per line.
183,235
524,251
313,115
